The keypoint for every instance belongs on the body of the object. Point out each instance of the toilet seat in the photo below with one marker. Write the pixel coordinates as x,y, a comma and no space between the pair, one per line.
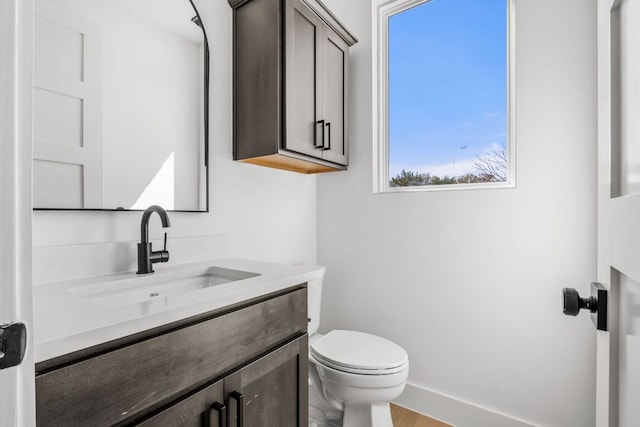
359,353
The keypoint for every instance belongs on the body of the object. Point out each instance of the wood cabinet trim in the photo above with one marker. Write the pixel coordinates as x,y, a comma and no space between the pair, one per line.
286,160
323,12
330,19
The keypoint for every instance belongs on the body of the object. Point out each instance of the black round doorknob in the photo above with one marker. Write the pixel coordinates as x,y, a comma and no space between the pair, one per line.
572,303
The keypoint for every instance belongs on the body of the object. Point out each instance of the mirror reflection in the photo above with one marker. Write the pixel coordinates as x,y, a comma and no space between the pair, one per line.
120,105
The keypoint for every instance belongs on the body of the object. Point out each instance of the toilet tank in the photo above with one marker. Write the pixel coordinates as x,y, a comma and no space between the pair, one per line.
314,301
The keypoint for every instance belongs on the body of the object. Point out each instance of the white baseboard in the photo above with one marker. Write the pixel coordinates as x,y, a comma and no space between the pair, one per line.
453,411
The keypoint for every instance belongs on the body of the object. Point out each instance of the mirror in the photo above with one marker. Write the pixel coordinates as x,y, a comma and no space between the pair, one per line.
120,105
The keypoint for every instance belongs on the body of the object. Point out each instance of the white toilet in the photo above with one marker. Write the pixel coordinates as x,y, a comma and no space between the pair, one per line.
352,375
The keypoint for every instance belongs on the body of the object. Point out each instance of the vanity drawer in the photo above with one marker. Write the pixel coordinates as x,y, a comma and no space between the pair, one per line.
126,383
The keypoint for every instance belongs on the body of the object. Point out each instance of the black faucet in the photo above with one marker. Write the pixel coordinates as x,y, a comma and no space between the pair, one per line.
146,256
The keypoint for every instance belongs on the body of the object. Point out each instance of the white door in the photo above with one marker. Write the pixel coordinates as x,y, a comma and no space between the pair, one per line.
618,351
17,400
67,109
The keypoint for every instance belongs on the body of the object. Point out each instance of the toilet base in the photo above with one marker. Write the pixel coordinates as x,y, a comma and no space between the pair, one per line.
374,415
321,414
318,419
377,415
354,407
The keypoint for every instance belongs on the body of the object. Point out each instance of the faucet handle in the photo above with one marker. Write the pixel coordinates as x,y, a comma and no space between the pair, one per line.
159,256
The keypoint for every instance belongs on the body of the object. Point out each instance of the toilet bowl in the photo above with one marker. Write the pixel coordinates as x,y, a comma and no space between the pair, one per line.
352,375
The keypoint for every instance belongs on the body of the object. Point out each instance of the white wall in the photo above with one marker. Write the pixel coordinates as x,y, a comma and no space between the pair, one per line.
469,282
143,107
266,214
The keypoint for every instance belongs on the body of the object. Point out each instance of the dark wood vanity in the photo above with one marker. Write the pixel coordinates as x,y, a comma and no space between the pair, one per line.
242,365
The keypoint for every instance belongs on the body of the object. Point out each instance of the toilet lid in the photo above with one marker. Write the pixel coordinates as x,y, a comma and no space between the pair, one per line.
360,353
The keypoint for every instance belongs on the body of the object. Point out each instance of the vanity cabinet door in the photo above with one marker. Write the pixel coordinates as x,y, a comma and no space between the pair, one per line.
274,389
204,408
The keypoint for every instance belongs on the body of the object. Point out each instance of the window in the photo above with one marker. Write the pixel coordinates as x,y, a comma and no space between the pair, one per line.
443,101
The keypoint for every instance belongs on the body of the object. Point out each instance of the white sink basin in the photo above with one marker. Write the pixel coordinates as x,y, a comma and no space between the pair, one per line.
158,288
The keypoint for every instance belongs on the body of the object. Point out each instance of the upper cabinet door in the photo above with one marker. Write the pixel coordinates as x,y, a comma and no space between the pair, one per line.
303,86
334,97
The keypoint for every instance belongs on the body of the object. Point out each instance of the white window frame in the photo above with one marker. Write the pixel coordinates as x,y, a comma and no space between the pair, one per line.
381,12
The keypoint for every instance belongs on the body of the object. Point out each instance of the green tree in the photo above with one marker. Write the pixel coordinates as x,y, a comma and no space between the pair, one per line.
471,178
413,179
410,179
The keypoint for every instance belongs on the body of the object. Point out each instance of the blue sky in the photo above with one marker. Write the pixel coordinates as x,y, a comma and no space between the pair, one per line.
447,84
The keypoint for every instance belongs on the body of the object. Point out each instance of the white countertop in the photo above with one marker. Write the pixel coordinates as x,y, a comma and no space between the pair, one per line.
65,321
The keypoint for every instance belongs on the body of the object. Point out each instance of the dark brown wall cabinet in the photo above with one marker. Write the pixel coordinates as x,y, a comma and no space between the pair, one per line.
243,367
290,85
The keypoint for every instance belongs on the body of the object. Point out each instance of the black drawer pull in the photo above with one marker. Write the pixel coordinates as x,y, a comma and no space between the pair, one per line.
239,397
319,142
222,414
328,146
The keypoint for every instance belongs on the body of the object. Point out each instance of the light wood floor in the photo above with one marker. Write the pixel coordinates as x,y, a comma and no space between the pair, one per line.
403,417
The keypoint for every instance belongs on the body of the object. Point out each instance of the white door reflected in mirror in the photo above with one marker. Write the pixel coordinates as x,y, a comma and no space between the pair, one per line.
119,105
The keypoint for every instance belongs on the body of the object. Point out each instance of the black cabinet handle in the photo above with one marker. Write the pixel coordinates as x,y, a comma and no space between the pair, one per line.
319,142
239,397
222,414
328,146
